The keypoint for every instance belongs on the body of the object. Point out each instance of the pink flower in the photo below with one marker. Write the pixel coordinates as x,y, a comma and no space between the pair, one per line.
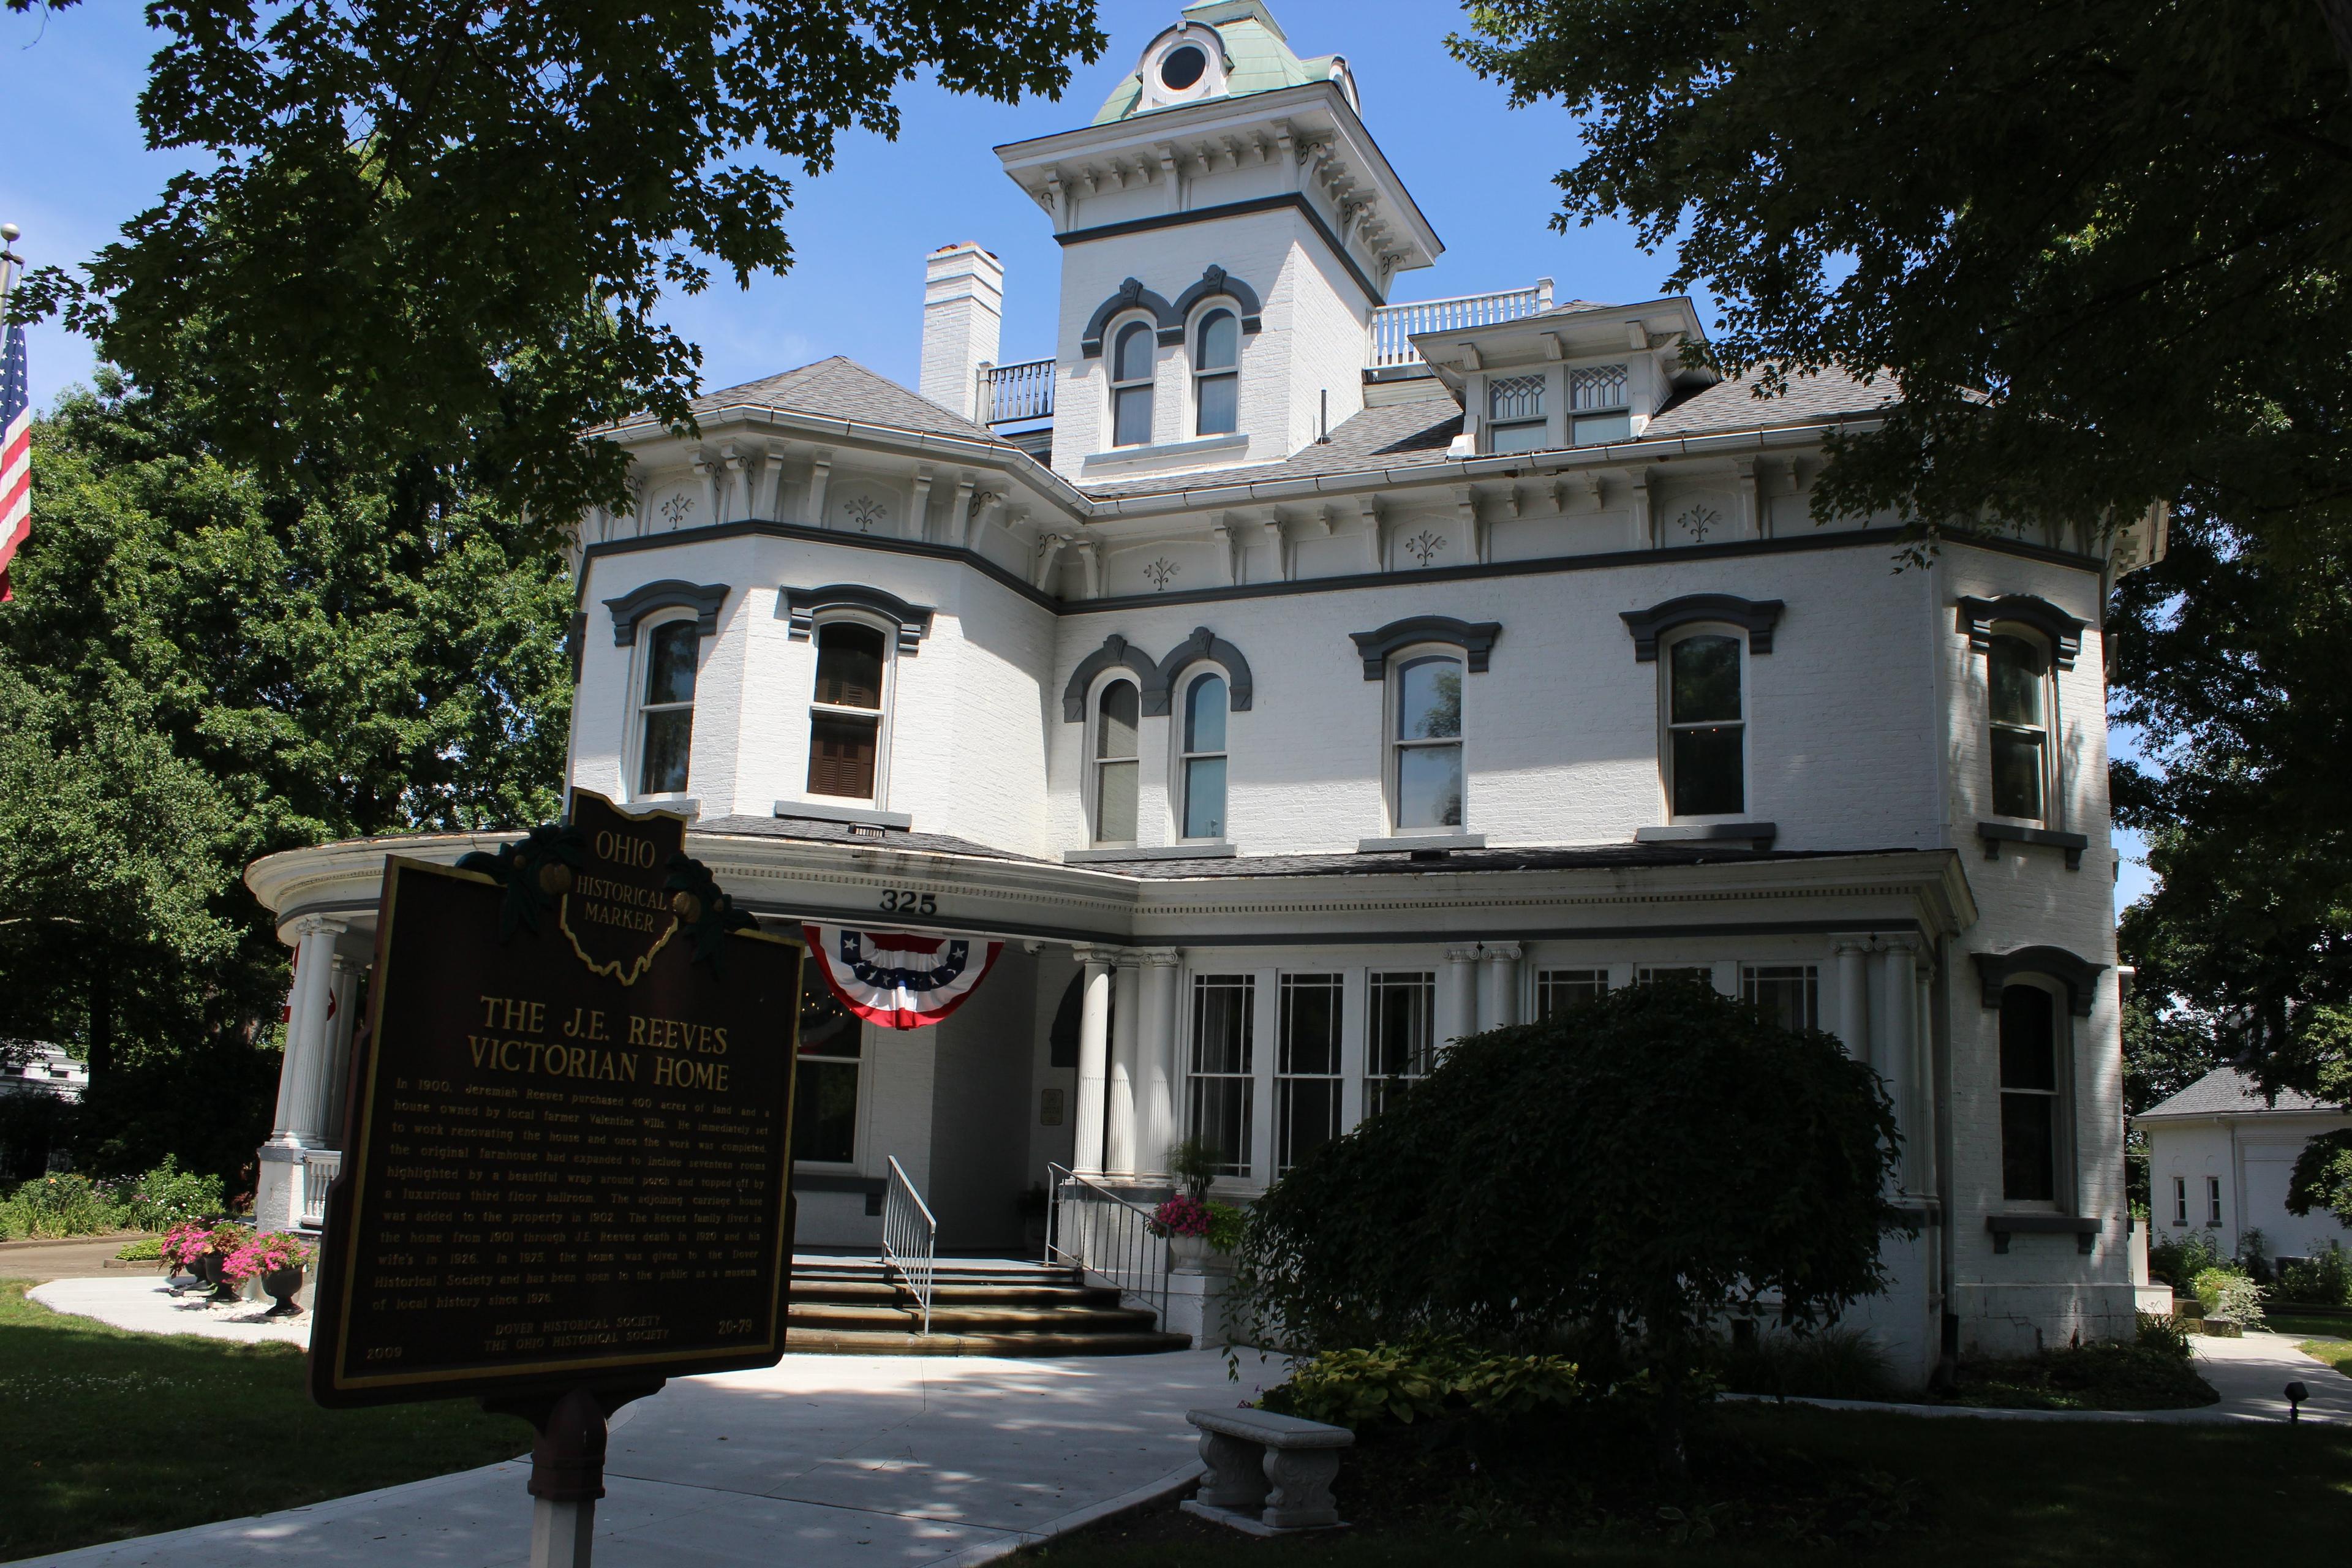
1180,1215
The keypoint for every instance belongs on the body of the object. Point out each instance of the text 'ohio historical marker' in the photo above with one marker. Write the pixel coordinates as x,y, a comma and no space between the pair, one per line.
568,1161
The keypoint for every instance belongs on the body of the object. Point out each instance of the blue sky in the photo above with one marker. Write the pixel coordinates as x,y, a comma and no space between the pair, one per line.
1481,171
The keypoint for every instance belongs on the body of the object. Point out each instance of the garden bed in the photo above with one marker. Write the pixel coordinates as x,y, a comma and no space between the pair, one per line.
119,1434
1785,1484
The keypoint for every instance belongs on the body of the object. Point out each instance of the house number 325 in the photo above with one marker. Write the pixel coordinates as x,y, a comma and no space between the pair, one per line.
907,901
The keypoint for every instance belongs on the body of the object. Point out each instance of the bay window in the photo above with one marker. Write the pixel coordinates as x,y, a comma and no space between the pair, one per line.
845,715
2019,673
1221,1088
666,734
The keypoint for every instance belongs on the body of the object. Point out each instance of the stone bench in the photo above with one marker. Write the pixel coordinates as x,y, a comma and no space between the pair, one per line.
1267,1473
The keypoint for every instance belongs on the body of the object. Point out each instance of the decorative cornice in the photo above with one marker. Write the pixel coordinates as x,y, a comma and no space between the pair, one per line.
669,594
1475,638
2079,976
1131,296
799,607
1755,616
1205,644
1214,280
2064,632
1115,651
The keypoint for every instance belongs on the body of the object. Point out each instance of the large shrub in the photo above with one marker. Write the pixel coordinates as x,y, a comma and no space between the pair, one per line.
167,1195
64,1204
2178,1260
2324,1279
1634,1166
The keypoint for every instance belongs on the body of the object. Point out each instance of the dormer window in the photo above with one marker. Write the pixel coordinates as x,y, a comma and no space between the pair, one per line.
1216,375
1599,404
1515,412
1131,384
1180,68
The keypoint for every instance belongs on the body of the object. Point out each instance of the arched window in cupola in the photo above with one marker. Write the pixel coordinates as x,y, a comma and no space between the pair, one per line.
1131,384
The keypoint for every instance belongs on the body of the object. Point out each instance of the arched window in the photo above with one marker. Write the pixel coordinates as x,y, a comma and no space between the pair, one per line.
845,714
1706,764
2030,1096
1131,384
2019,674
1204,758
1216,373
665,737
1118,712
1428,742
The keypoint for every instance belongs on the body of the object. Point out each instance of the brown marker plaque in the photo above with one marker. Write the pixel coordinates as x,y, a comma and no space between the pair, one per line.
567,1159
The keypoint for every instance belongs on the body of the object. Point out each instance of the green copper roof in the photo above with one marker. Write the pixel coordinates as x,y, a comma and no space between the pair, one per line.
1259,59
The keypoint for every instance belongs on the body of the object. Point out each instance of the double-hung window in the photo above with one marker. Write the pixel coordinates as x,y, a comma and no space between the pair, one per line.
2030,1124
1118,716
1131,370
845,716
665,739
1707,764
1400,1036
1428,742
2213,1201
1204,758
1515,412
1789,993
2019,673
824,1089
1307,1069
1216,375
1599,404
2179,1200
1222,1087
1558,990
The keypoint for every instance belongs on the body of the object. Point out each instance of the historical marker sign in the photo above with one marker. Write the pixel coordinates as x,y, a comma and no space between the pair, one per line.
568,1159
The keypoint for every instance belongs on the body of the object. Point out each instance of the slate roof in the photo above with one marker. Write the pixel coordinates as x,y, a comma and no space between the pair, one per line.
841,388
1396,437
814,830
2226,1091
1732,405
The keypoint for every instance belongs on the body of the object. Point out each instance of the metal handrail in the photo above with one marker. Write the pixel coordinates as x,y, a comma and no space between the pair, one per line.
910,1237
1392,327
1105,1235
1017,391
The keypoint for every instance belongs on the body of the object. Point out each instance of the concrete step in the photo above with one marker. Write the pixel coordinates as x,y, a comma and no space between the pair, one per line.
977,1319
850,1292
836,1341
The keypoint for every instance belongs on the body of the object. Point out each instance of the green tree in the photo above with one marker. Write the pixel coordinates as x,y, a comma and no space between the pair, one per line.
202,666
1639,1164
419,226
2098,245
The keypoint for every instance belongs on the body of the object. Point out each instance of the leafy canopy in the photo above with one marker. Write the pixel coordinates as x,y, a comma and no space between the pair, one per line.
1640,1162
446,227
2098,244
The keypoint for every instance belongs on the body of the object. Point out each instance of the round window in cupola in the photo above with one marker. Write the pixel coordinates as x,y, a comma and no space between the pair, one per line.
1181,67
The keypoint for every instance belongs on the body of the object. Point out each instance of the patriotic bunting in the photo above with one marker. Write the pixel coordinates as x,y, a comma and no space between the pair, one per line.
898,980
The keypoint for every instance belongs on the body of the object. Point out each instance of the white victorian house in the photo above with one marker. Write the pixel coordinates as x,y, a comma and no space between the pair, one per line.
1295,679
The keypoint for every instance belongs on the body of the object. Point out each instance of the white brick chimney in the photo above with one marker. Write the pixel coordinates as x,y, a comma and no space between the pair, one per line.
963,313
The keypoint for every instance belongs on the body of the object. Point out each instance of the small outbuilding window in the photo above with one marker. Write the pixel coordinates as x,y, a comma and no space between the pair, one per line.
1205,703
666,735
1132,366
845,718
1427,744
1707,764
1216,373
1119,711
2179,1200
2019,673
2213,1201
2030,1122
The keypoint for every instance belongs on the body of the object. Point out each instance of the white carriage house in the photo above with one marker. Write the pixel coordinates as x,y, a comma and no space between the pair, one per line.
1294,680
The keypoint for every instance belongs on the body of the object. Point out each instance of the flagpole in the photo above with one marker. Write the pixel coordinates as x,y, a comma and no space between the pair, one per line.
10,265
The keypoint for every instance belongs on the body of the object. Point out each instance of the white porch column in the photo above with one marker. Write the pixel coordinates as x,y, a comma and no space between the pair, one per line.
1094,1060
1127,1008
1853,993
296,1125
334,1082
1155,1112
1898,1003
1461,999
1499,1008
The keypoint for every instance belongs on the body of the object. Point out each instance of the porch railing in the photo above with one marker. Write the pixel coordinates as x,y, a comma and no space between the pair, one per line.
1393,326
1009,393
910,1238
319,1169
1107,1237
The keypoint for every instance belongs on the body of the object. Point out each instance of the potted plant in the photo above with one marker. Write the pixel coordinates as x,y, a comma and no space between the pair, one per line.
277,1259
185,1247
1195,1163
1195,1230
219,1247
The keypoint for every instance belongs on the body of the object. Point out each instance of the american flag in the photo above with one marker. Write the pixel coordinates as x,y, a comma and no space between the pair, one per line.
16,456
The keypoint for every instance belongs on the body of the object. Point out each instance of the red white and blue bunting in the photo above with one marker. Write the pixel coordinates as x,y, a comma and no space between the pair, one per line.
898,981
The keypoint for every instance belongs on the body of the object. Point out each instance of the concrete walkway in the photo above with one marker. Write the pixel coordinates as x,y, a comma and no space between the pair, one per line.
147,1304
75,1258
819,1461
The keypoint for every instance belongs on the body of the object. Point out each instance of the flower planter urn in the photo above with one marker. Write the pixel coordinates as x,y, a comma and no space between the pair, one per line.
1188,1252
282,1285
216,1275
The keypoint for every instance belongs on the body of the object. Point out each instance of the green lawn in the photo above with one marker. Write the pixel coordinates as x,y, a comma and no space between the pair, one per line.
2337,1353
2011,1492
111,1434
2307,1326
